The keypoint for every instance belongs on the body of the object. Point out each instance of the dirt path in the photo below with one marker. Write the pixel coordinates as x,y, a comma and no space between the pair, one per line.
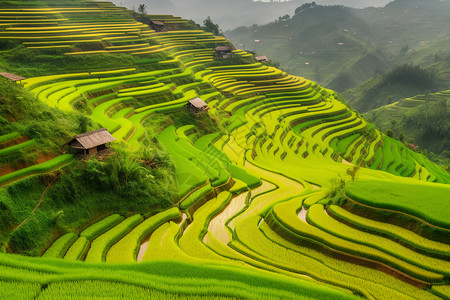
37,206
142,249
347,162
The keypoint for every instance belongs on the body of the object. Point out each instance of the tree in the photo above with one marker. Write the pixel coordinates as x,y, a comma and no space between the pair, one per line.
142,9
209,26
84,123
404,49
389,133
352,172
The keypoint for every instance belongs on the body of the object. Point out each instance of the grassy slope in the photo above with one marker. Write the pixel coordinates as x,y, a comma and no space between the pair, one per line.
429,204
424,123
166,279
75,199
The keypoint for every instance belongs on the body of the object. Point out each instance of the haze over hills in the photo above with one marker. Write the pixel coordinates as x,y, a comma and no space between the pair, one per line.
349,46
230,14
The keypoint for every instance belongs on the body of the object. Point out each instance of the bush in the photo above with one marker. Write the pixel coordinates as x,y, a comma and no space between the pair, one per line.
336,193
411,75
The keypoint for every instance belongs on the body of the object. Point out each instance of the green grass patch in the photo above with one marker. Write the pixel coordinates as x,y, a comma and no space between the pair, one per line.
101,245
429,202
60,246
126,249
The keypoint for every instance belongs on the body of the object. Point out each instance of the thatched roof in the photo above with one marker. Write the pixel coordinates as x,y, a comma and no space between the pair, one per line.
12,77
159,23
198,103
224,48
91,139
262,58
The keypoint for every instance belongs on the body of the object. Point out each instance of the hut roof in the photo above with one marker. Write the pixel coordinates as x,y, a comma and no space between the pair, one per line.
224,48
92,139
198,103
157,23
12,77
262,58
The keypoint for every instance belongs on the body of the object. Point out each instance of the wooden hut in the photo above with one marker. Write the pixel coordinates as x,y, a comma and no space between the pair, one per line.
12,77
91,142
158,26
262,58
197,106
224,51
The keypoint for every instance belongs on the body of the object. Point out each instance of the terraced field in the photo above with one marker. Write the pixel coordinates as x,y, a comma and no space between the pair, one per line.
263,207
11,144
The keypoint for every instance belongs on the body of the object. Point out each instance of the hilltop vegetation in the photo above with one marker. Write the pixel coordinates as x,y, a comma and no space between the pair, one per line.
277,189
401,82
422,120
414,108
343,47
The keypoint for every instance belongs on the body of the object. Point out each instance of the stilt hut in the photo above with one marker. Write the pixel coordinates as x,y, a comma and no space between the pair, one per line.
224,51
197,106
90,143
158,26
13,77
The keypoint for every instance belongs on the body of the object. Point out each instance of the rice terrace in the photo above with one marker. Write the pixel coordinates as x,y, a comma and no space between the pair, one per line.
142,157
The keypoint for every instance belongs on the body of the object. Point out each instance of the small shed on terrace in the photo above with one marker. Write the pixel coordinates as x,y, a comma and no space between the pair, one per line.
224,51
196,106
12,77
91,142
261,58
158,26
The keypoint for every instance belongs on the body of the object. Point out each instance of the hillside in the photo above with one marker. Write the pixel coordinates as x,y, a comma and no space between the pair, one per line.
267,187
342,47
401,82
234,13
423,120
410,101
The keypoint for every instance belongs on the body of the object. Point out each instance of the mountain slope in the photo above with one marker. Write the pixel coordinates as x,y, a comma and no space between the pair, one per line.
235,13
327,43
424,119
372,39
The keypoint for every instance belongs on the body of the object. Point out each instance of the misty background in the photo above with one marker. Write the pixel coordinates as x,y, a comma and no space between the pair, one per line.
230,14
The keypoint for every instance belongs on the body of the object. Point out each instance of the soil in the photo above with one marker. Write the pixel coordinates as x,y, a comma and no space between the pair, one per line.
44,157
142,249
13,142
6,169
347,162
